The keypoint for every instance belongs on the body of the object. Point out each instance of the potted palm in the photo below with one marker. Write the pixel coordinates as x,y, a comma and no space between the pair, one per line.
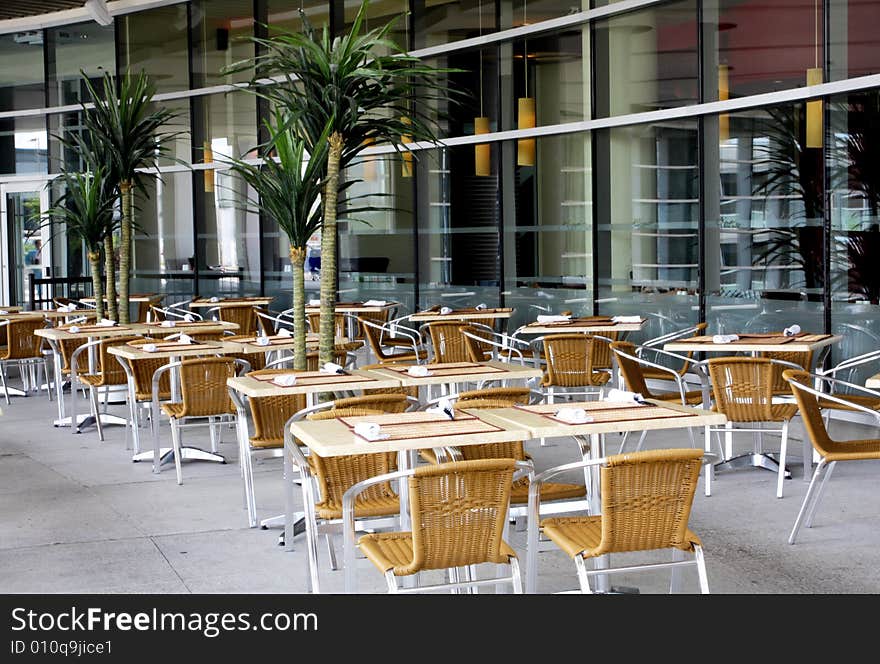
124,133
288,188
367,90
87,210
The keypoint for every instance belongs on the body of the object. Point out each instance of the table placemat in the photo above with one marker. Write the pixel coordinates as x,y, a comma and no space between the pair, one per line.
449,369
186,323
273,341
400,426
255,298
176,345
308,378
578,322
465,310
607,411
337,305
773,340
94,328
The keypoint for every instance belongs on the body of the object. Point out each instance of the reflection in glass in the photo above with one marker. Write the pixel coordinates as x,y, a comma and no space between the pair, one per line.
23,140
155,41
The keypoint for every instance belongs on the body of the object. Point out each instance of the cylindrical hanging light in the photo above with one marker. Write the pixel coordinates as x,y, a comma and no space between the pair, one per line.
483,151
525,147
208,158
723,95
406,168
369,162
815,130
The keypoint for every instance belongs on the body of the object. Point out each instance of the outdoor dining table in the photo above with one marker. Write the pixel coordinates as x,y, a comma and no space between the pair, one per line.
254,300
354,309
277,343
407,433
173,351
308,383
541,421
585,324
133,297
764,342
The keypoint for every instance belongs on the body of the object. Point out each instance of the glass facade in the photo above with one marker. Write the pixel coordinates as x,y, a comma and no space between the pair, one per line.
621,194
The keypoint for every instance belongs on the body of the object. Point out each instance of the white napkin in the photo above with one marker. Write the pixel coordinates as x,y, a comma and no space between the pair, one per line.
626,319
106,322
370,431
3,311
214,299
573,415
481,306
418,370
553,318
724,338
445,310
284,332
444,407
791,330
332,368
149,348
375,303
285,380
623,396
263,341
63,309
185,339
314,303
73,329
189,318
167,323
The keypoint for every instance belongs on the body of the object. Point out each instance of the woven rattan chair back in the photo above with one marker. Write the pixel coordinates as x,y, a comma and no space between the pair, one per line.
647,499
269,414
203,388
68,346
810,412
602,350
476,351
631,370
387,403
335,475
112,372
256,360
243,316
21,342
373,336
801,358
459,513
340,357
142,373
448,342
145,308
742,387
570,360
339,327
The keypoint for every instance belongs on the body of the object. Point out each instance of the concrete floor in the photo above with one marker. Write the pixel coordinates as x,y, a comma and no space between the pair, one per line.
77,516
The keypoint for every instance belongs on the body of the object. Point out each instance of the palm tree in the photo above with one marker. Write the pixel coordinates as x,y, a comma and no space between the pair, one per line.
367,90
124,133
288,188
87,210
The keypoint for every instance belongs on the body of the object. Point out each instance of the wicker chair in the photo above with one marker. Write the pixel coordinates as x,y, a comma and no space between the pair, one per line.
145,309
448,344
256,360
484,344
25,350
646,500
326,479
575,363
382,343
244,316
140,388
459,511
803,359
682,366
830,451
109,373
204,396
340,323
742,389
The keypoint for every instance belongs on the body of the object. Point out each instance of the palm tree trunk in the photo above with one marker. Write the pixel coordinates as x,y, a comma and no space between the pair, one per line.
327,327
110,276
297,262
124,250
97,286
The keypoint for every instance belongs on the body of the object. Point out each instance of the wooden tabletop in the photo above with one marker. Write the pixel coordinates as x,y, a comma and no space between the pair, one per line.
469,313
169,349
134,297
48,314
410,431
460,372
609,417
755,344
156,329
10,310
311,382
91,331
232,301
277,342
587,324
873,381
354,308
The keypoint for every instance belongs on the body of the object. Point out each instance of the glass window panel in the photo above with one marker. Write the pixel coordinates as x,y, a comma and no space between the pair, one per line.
164,255
528,12
220,34
444,21
284,14
155,41
380,12
23,141
647,216
764,239
854,45
647,59
85,47
548,240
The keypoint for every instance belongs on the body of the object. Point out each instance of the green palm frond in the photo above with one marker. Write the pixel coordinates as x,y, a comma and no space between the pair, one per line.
87,207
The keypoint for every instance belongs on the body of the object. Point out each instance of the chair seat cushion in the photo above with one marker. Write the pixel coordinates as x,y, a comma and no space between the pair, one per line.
692,397
519,492
580,535
380,506
148,396
657,374
403,357
172,409
394,551
94,380
266,443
